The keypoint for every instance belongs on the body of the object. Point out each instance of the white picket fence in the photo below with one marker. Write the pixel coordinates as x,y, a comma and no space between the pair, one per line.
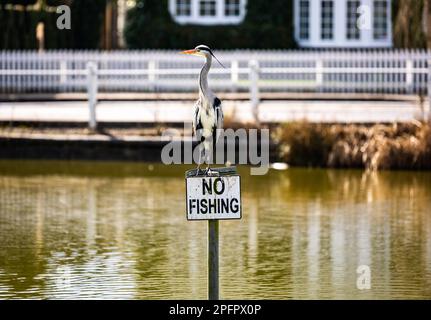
362,71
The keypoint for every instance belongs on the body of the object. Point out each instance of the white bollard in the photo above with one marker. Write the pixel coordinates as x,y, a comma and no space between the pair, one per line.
92,93
254,89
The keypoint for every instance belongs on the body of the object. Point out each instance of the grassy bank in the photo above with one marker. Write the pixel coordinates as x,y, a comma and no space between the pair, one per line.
396,146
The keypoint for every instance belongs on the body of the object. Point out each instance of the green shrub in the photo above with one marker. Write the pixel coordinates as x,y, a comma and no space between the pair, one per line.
19,27
266,25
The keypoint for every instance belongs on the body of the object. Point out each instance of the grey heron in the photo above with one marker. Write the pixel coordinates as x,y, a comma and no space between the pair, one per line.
208,113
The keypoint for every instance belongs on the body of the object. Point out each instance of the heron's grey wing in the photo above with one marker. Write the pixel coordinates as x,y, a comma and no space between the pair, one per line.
219,116
196,118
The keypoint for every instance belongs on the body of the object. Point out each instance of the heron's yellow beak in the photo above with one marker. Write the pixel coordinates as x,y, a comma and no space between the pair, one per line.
193,51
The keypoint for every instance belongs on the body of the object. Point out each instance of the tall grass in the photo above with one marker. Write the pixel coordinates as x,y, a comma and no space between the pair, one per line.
396,146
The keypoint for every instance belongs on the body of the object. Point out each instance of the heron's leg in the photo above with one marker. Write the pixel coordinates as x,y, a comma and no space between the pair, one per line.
208,157
201,150
212,151
208,169
200,158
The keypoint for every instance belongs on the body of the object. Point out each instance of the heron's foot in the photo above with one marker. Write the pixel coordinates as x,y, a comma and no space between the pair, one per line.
198,170
207,170
210,172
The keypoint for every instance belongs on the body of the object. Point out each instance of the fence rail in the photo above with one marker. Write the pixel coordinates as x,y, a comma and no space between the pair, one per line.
362,71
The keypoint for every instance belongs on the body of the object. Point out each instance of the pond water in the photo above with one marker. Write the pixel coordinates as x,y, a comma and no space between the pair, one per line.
118,230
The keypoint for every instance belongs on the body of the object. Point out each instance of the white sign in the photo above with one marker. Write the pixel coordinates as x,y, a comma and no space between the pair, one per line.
213,198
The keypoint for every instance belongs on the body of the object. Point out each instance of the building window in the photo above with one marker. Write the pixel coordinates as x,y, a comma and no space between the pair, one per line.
304,19
327,21
183,8
208,8
353,32
208,12
380,20
232,8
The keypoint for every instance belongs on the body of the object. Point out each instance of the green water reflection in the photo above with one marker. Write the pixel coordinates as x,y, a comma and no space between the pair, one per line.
118,230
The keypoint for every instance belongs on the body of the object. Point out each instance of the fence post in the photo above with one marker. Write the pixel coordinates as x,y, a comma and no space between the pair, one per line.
409,76
92,93
319,74
152,72
234,76
254,89
63,71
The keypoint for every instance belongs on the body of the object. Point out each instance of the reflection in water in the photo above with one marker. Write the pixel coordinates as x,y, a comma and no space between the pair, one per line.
118,230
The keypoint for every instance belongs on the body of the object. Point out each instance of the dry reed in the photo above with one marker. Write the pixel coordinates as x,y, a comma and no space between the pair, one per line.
376,147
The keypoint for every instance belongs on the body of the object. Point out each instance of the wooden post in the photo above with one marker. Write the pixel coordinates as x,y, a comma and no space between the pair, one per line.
213,260
426,22
429,91
40,36
92,93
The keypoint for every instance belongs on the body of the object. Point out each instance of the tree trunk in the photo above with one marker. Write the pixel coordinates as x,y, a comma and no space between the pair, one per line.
426,21
110,36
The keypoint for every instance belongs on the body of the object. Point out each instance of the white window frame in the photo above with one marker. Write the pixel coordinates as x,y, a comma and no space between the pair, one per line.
219,19
352,25
386,22
183,5
205,9
330,22
304,21
340,39
232,7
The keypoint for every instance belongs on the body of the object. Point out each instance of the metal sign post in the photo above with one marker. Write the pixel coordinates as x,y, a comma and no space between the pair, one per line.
213,261
213,197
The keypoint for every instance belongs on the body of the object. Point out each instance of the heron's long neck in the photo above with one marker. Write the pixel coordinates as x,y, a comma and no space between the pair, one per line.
203,78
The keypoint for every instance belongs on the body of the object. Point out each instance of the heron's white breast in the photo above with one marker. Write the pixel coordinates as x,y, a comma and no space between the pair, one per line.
208,121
